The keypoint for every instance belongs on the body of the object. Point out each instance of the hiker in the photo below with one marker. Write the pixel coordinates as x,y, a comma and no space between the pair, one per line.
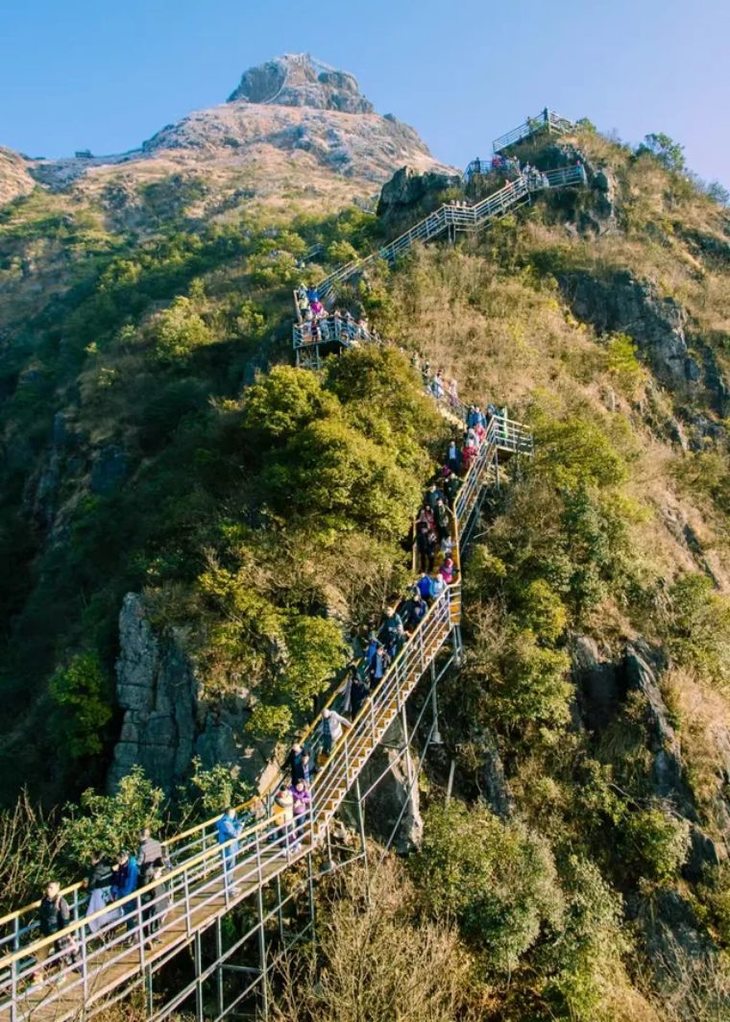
301,806
468,454
54,915
150,850
377,660
332,725
425,546
448,570
124,882
157,903
453,456
453,392
359,691
443,519
423,585
98,882
438,585
392,632
414,610
451,488
298,763
431,498
227,830
282,816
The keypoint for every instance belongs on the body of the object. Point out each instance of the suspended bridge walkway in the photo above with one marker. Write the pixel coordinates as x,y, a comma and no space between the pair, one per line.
122,947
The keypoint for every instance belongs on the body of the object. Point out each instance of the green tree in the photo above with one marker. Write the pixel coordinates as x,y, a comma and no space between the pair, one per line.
110,822
664,149
82,694
178,330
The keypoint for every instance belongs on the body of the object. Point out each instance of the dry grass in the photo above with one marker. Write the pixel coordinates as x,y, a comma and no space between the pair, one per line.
704,728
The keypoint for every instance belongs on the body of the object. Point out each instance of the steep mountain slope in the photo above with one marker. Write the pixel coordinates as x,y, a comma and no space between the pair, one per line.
189,540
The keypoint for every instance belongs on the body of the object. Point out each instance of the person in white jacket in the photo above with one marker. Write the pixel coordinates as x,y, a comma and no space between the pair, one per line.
332,725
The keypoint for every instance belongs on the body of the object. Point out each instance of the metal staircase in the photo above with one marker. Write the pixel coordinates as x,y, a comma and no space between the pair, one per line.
455,217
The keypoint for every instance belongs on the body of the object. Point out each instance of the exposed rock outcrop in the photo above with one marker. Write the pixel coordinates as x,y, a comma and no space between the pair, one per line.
496,787
298,79
165,722
409,190
622,303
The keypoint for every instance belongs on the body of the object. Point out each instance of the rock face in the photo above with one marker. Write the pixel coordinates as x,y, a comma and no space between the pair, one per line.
298,79
408,189
394,797
157,690
165,723
622,303
604,684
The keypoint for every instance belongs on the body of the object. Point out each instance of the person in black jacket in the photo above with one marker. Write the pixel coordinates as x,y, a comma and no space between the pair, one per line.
54,915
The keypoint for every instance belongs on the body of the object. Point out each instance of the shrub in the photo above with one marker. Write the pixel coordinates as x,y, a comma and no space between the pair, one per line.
497,880
697,627
178,330
656,844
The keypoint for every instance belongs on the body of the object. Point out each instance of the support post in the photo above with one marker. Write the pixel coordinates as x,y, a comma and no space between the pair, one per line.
450,783
361,828
198,954
219,970
262,957
279,913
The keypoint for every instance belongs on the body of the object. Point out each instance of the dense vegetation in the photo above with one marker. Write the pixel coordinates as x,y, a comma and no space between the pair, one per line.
262,512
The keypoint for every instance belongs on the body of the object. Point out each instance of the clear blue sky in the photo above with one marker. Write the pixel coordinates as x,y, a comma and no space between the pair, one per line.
78,74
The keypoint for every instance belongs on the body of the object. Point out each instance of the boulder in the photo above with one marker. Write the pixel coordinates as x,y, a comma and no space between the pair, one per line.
408,189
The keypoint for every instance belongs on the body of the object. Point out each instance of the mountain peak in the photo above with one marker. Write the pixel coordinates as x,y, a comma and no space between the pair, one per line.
298,79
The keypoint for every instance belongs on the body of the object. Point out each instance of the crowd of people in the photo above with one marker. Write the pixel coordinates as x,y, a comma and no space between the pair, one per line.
318,324
108,880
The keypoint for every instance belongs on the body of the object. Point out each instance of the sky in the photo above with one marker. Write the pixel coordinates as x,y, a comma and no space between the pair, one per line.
76,74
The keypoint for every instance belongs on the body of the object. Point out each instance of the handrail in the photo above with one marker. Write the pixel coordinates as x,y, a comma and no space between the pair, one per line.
546,120
460,217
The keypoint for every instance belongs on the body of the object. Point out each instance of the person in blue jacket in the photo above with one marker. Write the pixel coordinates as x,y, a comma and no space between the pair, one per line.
227,828
125,878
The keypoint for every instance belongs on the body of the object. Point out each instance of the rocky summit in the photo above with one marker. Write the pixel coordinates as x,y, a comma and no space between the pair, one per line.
298,79
293,125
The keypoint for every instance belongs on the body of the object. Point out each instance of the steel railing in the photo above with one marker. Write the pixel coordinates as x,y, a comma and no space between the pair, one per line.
459,217
546,120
